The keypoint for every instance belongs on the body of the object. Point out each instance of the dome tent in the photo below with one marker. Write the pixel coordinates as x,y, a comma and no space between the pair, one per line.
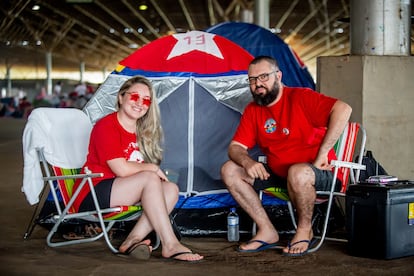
200,81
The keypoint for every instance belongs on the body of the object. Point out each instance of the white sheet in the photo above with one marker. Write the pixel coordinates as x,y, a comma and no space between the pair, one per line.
63,133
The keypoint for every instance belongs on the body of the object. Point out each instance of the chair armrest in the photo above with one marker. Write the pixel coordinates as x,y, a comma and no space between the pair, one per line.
73,176
350,165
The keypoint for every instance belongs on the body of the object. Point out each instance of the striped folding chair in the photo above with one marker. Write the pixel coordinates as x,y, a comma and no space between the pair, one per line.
352,140
61,152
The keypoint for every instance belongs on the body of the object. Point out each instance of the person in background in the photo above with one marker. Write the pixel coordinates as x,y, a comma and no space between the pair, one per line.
57,89
125,147
296,129
25,107
81,89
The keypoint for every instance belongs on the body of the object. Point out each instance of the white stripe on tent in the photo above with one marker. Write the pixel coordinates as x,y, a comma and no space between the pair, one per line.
190,137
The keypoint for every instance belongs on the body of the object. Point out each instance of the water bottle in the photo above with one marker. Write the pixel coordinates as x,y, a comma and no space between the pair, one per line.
233,226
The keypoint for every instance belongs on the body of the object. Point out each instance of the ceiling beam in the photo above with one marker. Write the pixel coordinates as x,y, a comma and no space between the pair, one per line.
286,14
232,7
13,13
315,44
309,36
211,16
142,19
89,29
187,15
123,22
320,50
61,33
163,16
301,24
220,10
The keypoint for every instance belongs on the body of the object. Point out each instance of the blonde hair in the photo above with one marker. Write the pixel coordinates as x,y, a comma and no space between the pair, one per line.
149,129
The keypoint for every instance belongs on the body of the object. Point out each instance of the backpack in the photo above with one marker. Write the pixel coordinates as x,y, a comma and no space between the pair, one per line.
372,167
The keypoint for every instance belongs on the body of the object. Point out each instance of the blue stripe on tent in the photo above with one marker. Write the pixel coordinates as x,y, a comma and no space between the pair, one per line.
219,201
133,72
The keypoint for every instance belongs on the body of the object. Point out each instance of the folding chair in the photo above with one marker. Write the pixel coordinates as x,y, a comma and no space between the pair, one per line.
352,140
60,137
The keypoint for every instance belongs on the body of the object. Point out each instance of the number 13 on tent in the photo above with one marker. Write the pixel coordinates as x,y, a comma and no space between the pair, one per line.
198,40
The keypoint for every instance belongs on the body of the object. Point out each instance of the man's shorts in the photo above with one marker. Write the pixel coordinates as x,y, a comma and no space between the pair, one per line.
323,180
103,193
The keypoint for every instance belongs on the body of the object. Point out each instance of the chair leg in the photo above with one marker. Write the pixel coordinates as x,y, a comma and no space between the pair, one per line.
325,225
292,214
32,223
35,216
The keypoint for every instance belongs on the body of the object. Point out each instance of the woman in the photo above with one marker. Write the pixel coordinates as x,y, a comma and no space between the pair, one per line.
125,146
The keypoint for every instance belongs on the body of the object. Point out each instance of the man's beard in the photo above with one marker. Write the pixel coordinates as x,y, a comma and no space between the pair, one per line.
267,98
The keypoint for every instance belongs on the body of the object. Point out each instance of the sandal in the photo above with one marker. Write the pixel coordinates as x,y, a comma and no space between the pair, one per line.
73,236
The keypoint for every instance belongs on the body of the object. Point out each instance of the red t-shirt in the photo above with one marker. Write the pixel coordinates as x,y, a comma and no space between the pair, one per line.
109,140
289,132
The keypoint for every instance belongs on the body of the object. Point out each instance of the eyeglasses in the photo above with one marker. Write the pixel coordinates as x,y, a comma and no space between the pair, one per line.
263,77
135,97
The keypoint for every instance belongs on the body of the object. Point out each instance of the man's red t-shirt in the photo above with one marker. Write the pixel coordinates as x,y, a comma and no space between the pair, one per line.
290,131
109,140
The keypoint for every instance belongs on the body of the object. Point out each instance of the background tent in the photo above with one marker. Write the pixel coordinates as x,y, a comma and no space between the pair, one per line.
260,41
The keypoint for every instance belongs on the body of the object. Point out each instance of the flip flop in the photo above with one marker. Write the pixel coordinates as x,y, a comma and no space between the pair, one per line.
264,246
173,257
290,245
139,251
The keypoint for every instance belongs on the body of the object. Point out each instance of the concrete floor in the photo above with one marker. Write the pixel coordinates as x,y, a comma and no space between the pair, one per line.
34,257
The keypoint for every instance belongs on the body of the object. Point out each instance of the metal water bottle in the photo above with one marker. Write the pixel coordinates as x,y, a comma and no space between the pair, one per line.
233,234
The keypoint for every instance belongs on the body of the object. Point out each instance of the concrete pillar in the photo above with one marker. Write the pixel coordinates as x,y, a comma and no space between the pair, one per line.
379,89
261,16
380,27
104,73
81,70
49,73
247,16
9,81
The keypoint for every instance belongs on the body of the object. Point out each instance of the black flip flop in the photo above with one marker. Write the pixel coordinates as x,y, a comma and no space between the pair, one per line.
139,251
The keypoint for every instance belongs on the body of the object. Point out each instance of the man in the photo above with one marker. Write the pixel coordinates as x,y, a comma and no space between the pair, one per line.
296,129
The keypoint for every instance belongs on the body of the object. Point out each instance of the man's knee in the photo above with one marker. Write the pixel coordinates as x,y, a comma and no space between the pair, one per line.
230,172
227,169
301,174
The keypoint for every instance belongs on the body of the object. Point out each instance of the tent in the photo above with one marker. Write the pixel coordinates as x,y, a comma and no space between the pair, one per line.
201,84
200,80
260,41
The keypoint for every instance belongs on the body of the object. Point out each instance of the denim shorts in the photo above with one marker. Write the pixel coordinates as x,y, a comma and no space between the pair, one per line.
103,193
323,180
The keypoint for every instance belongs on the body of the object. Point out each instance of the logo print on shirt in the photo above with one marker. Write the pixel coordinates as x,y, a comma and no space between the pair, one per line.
285,131
132,153
270,125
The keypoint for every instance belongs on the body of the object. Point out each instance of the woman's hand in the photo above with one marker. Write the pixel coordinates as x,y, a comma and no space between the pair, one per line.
161,174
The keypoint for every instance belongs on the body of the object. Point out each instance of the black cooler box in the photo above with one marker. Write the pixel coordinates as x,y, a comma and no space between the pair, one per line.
380,219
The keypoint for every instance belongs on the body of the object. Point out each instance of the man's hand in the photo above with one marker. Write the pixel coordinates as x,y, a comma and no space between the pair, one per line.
256,170
322,163
239,154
